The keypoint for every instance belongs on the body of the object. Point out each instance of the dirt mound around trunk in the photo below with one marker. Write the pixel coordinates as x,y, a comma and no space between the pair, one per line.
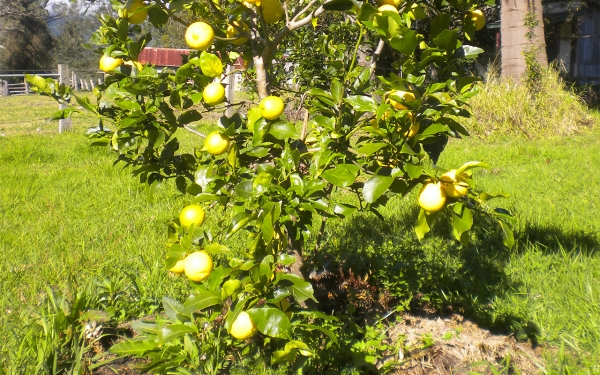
435,344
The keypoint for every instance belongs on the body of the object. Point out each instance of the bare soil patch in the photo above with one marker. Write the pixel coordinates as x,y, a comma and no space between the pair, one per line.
436,344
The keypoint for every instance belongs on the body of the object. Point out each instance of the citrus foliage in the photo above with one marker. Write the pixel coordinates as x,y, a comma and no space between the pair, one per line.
367,140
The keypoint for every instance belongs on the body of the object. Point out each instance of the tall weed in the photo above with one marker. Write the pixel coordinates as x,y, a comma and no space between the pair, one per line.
504,108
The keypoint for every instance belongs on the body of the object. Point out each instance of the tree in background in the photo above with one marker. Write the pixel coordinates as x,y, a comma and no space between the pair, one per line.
76,21
24,35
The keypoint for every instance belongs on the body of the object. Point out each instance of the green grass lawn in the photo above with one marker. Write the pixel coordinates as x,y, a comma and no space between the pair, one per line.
69,219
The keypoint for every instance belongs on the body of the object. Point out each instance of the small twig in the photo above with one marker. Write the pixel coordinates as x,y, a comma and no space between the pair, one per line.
194,131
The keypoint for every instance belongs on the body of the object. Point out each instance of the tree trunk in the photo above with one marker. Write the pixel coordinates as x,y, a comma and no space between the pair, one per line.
522,30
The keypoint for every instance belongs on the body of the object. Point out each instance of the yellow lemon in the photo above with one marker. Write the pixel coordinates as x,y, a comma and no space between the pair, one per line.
137,65
272,10
387,7
413,130
454,186
478,18
213,94
178,267
432,197
243,327
130,11
192,214
108,64
198,266
406,95
235,30
271,107
393,3
216,143
199,36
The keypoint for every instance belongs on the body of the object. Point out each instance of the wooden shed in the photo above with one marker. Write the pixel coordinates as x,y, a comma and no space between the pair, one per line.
573,37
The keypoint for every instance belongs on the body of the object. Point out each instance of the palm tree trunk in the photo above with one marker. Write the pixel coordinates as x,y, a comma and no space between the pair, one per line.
522,30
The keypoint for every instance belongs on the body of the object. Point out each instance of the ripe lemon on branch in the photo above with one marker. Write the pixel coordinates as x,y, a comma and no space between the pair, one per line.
199,36
432,197
272,10
192,214
216,143
387,7
198,266
454,186
213,94
478,18
235,30
243,327
179,267
393,3
108,64
131,11
407,96
271,107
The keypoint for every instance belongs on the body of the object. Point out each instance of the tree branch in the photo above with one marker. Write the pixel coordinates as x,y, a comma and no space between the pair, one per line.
194,131
376,55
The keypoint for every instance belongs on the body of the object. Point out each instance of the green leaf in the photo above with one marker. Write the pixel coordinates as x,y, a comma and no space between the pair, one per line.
341,5
189,116
158,17
440,24
281,356
414,171
283,130
174,331
422,227
301,290
215,248
201,301
406,42
447,40
471,165
343,175
371,148
468,52
462,221
344,209
95,315
231,287
271,322
508,238
265,269
375,187
172,308
131,348
244,189
362,103
211,65
329,333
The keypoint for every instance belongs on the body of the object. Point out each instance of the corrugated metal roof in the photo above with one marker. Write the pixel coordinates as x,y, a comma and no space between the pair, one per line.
163,56
171,57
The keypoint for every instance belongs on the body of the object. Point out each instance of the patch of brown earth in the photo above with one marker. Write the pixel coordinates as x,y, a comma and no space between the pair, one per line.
434,344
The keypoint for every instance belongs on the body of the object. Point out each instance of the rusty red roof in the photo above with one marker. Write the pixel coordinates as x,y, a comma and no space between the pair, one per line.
162,56
171,57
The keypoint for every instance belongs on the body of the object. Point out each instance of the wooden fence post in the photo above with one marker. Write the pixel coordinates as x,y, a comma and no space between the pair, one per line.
25,87
4,88
74,81
63,124
230,90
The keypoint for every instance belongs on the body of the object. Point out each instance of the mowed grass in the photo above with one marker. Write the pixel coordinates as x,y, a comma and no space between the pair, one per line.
68,217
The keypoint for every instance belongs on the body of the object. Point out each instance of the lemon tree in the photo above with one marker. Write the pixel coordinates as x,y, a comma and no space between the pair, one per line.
371,134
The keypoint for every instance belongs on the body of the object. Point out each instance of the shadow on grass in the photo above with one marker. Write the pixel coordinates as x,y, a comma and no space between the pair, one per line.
438,272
